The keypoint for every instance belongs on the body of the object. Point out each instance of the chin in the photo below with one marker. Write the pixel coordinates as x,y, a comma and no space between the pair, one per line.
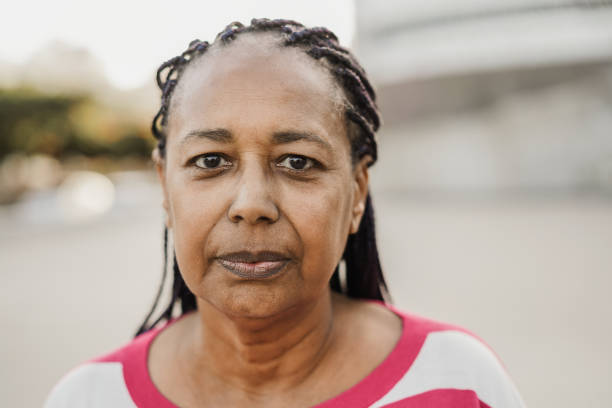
252,300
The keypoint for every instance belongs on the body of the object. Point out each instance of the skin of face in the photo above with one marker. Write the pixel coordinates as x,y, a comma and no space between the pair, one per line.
258,159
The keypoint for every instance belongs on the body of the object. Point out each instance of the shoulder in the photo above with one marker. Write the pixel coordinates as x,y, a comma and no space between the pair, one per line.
91,385
441,356
104,381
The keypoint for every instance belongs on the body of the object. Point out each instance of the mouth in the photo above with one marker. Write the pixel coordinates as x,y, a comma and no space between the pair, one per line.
254,265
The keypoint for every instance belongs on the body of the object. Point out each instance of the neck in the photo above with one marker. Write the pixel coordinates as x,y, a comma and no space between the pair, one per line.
265,354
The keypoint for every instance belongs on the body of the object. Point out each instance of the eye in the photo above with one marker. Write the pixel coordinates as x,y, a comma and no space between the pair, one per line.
211,161
296,162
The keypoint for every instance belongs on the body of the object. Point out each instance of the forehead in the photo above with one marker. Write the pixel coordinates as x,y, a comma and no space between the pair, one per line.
255,80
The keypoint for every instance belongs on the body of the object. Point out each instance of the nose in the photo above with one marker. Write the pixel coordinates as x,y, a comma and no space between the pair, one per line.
253,201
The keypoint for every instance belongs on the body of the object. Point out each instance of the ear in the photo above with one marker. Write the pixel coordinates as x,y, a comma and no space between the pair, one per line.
160,166
360,179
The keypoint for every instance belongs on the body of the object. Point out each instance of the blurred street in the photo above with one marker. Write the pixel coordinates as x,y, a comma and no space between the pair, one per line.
530,276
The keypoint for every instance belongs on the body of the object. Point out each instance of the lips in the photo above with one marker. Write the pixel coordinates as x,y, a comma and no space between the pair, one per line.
254,265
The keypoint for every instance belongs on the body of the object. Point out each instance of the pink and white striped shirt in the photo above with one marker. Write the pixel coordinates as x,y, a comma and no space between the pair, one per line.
432,365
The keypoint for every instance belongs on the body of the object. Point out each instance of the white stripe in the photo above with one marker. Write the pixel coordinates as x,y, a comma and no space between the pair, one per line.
453,359
93,385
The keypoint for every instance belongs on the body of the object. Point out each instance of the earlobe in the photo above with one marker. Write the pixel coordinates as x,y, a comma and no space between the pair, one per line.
159,167
361,193
168,220
357,214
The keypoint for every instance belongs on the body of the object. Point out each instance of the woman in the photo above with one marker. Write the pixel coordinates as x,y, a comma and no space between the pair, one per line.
264,142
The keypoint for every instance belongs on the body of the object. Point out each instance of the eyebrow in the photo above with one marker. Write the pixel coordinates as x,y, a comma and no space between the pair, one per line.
290,137
225,136
216,135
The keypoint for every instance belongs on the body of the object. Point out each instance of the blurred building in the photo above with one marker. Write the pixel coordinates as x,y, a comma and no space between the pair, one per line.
504,96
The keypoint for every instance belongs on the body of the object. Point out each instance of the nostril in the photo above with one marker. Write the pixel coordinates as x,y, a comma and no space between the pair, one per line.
265,219
253,212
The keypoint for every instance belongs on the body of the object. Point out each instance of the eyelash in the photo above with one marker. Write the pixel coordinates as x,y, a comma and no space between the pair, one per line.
310,163
207,155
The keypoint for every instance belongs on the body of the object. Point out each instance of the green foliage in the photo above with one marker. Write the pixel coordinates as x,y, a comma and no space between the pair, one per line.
62,126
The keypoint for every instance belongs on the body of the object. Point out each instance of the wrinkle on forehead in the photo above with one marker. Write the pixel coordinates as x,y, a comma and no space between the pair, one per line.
258,55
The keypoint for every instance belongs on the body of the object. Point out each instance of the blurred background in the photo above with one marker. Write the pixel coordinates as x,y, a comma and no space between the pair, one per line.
493,190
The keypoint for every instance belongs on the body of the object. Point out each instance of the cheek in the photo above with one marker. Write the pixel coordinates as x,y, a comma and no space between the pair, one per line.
195,211
321,217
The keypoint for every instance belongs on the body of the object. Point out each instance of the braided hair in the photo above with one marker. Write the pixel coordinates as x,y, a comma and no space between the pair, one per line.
364,278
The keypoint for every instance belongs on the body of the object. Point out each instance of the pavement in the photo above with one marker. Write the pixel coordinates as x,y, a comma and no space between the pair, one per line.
531,276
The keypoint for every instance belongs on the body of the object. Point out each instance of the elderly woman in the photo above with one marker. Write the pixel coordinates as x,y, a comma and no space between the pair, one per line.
265,137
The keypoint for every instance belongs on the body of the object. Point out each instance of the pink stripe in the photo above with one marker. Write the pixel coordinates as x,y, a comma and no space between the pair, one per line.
136,373
137,378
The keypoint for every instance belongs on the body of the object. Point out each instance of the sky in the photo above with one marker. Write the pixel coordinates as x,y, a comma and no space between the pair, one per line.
132,38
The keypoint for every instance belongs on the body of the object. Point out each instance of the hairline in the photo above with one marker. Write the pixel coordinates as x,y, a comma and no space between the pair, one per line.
336,94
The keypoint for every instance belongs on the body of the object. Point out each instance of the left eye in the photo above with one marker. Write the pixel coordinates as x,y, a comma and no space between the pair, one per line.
295,162
211,161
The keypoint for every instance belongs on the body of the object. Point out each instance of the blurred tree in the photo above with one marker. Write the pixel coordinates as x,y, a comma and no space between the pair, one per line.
32,123
66,125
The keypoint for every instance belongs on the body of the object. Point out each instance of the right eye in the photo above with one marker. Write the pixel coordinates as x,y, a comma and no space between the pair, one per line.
211,161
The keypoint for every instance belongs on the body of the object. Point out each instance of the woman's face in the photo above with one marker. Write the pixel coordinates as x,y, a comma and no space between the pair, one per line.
258,183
